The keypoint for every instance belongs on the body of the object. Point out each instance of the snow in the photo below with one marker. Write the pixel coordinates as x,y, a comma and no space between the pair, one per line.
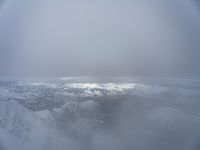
106,86
21,122
99,89
96,115
89,105
7,93
25,130
37,84
45,115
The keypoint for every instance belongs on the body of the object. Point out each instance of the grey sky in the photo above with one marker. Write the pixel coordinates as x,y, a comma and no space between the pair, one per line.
97,37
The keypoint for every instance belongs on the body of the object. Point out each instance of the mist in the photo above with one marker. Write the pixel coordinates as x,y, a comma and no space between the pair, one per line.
75,38
70,114
99,75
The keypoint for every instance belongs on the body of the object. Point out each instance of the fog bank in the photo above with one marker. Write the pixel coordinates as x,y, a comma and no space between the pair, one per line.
66,38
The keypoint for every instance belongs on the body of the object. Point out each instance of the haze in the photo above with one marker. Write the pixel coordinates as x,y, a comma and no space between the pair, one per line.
64,38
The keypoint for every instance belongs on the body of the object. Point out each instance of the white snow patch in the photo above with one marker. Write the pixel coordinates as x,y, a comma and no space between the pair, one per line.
25,130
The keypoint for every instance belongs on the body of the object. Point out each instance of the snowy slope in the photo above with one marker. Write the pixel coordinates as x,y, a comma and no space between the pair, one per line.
24,129
57,114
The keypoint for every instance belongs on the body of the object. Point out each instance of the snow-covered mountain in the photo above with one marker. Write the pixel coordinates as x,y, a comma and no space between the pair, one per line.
72,114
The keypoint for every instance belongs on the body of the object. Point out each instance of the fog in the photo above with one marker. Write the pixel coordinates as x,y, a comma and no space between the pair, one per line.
74,38
99,75
65,114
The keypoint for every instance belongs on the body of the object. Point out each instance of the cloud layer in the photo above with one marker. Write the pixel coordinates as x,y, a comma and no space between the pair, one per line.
99,37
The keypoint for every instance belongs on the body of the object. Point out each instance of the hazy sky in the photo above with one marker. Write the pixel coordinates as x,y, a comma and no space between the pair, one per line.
99,37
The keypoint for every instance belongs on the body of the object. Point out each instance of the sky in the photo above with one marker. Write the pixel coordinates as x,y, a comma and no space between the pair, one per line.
99,37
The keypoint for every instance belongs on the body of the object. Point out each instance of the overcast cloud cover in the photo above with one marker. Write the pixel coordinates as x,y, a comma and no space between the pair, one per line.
123,37
134,43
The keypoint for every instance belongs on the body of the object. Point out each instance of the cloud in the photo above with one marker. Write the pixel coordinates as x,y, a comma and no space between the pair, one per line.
100,37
